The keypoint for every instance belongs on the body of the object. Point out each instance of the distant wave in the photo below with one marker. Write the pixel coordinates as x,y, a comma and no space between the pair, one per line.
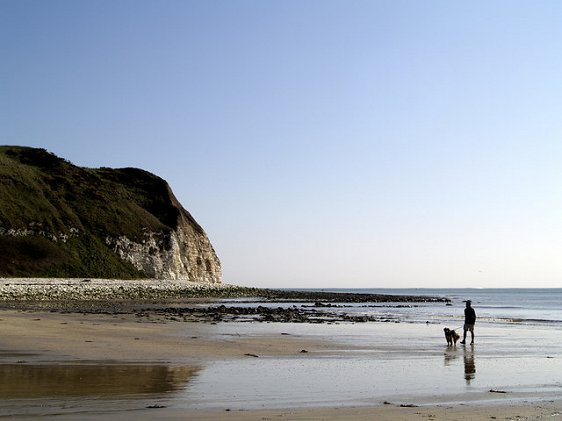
524,321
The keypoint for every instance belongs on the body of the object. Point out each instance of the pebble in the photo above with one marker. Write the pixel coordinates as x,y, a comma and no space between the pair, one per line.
55,289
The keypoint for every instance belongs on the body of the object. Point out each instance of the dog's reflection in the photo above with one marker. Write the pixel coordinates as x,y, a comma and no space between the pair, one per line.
469,364
452,354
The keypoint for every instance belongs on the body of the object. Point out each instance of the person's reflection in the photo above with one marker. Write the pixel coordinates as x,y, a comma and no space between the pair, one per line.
469,365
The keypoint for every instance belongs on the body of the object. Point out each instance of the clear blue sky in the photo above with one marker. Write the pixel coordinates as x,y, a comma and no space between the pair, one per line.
319,143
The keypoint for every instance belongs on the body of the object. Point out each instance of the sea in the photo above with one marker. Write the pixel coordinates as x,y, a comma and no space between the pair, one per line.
505,306
517,351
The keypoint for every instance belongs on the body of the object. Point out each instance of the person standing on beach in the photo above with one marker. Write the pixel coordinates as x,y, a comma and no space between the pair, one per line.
469,321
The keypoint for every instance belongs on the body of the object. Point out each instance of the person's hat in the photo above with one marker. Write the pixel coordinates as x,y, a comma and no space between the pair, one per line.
468,301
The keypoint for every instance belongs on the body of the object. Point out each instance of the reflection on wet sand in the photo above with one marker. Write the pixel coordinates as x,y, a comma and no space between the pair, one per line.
450,356
469,364
90,380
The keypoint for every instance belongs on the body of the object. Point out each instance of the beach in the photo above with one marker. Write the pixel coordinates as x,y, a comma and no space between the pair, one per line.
101,362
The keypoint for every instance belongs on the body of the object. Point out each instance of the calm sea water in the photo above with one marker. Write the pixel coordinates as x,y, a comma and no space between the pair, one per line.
498,306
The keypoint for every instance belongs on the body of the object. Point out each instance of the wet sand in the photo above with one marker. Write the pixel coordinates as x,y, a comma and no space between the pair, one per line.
122,366
60,337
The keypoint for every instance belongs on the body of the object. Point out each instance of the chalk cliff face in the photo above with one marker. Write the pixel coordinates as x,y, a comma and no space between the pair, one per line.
183,253
60,220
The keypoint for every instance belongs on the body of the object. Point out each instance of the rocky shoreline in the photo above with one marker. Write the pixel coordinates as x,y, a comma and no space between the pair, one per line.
83,289
161,301
346,297
222,313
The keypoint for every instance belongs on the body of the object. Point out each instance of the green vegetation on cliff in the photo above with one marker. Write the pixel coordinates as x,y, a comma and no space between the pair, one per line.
55,216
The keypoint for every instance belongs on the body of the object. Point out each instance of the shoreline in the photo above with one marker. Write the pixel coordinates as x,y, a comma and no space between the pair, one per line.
190,301
91,289
174,298
48,289
193,365
183,364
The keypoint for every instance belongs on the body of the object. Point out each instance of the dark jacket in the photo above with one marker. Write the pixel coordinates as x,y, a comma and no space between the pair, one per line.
469,316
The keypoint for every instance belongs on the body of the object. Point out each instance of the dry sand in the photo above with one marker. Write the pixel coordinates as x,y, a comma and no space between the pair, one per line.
148,350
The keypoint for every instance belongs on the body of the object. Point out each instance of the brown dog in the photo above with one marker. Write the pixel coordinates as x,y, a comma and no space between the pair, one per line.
451,336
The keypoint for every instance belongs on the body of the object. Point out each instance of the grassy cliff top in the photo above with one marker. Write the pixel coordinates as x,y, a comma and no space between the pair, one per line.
41,192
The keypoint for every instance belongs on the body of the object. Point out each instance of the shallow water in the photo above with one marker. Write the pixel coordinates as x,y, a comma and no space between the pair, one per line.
350,381
381,362
366,364
94,380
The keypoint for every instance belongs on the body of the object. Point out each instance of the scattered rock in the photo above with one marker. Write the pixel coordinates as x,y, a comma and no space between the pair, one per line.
149,301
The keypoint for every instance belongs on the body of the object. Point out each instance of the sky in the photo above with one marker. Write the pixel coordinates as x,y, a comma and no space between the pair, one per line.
320,144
